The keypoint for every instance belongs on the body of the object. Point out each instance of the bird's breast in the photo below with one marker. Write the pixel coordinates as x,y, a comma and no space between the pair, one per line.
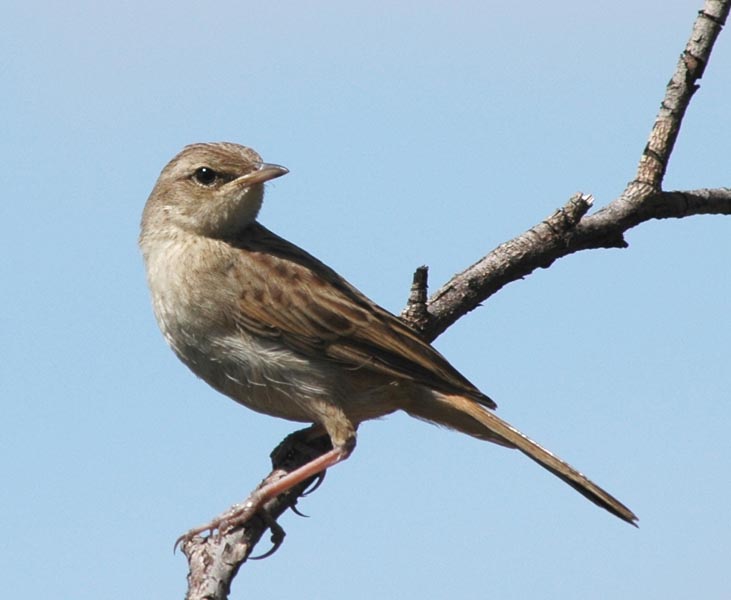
198,321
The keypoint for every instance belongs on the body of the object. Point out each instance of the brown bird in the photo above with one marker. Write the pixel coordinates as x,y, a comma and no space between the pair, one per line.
272,327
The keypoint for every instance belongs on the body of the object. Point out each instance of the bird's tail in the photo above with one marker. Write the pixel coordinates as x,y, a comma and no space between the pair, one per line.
466,415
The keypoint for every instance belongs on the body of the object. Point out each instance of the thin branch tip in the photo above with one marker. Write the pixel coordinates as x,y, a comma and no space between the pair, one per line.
416,312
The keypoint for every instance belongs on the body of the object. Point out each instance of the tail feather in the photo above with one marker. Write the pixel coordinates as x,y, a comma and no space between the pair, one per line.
466,415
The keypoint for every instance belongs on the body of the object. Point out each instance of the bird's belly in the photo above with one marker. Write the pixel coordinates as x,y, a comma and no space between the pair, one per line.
265,376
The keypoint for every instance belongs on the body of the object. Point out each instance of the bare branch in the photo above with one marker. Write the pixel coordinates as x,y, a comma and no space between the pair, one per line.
641,201
559,236
537,247
416,310
679,92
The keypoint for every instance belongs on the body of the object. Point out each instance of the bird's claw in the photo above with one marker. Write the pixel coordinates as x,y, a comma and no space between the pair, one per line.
319,478
296,511
277,536
189,535
316,483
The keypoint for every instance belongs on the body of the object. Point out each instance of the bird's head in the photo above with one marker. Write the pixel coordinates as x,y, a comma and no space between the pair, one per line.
213,189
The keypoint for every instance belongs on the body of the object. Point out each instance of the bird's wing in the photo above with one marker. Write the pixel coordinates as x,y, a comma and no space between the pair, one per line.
290,295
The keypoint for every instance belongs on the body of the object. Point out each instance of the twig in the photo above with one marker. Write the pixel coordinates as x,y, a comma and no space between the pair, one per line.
416,312
679,92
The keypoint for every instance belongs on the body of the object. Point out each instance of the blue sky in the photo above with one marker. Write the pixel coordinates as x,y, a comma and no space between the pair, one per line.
415,133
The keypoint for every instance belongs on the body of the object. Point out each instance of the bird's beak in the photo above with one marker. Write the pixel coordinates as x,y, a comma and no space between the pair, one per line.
265,172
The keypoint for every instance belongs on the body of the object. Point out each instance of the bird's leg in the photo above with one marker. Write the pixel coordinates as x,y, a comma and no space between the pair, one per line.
311,469
239,514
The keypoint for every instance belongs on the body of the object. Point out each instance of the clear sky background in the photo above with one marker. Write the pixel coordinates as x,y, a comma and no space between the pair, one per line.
416,133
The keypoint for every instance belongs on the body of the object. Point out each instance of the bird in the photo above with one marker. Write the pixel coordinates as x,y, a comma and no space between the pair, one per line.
270,326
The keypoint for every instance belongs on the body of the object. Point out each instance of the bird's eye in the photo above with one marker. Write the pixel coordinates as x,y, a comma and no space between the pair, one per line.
205,176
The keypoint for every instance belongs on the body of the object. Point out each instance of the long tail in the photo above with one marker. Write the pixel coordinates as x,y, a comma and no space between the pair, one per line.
468,416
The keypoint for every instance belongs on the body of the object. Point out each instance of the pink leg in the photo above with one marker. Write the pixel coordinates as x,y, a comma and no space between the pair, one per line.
306,471
241,513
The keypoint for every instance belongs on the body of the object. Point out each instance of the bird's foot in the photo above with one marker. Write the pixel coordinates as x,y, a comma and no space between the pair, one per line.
237,516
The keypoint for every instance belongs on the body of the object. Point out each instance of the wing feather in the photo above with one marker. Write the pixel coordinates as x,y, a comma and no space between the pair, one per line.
290,295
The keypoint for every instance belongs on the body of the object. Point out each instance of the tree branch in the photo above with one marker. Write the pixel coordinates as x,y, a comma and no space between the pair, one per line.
679,92
215,560
416,312
567,231
641,200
